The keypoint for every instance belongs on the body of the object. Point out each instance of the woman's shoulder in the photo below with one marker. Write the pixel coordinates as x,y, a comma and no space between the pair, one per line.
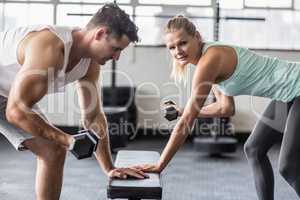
222,58
215,49
215,44
218,49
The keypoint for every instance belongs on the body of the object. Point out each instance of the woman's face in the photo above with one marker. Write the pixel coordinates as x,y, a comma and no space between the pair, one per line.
183,47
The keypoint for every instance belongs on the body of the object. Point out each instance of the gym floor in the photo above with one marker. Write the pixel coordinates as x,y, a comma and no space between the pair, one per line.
190,176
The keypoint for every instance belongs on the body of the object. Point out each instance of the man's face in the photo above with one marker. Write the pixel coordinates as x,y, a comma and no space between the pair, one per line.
106,46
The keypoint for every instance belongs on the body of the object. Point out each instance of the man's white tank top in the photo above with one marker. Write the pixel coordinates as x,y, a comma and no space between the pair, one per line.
9,66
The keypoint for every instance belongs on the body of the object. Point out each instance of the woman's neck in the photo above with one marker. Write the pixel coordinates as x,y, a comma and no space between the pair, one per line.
199,54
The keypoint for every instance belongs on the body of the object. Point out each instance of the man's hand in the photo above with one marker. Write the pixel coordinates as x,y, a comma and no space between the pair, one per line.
128,172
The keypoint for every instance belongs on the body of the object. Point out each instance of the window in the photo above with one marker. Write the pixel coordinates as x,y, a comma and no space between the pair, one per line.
153,19
68,15
237,4
26,0
148,23
1,17
79,15
297,4
177,2
269,3
16,14
203,22
97,1
278,31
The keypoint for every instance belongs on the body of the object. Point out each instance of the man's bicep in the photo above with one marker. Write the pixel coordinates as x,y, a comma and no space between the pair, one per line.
29,87
42,60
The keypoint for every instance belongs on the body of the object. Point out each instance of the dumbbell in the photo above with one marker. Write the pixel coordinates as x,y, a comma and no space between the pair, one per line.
85,144
170,112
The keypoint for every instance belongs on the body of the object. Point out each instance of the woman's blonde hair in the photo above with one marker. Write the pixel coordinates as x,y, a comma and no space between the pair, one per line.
176,23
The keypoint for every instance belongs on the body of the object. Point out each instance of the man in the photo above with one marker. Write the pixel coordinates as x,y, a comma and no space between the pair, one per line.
38,60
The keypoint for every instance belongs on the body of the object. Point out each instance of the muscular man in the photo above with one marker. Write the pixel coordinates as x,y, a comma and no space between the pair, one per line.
42,59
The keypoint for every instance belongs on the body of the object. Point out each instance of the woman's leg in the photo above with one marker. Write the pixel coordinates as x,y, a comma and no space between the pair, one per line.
266,132
289,159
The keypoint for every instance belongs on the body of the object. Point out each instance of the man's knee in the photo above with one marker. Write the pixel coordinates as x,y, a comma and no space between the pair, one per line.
46,150
56,153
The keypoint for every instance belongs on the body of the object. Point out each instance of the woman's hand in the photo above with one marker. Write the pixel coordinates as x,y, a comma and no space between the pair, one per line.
170,103
170,108
149,168
127,172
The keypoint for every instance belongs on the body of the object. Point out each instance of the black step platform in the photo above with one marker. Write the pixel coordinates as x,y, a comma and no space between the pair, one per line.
215,145
134,189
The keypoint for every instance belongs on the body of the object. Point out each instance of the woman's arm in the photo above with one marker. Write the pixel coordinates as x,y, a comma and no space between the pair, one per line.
207,71
223,106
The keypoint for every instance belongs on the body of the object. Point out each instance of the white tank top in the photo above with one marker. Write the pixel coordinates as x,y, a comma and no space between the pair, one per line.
9,66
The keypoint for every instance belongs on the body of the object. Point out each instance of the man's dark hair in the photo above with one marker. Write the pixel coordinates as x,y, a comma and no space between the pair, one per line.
117,21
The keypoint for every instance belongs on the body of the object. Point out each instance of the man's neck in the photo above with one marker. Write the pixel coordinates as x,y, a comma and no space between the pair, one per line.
78,49
79,46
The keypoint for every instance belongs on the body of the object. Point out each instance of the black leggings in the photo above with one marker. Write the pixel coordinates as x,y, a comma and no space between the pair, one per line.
278,118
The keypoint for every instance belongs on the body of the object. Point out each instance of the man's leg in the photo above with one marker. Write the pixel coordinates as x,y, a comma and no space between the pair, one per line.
50,165
265,134
50,156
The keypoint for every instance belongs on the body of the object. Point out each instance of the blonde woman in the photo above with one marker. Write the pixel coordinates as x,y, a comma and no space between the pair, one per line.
238,71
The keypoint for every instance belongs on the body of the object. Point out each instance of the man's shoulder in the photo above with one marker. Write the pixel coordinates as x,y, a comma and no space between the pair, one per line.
46,38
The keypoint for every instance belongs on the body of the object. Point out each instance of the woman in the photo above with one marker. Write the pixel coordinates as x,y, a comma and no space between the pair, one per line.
238,71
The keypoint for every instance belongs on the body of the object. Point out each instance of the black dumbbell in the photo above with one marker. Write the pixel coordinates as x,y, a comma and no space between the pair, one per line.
170,112
85,144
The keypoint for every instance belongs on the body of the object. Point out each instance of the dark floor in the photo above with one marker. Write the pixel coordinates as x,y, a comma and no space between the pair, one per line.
190,176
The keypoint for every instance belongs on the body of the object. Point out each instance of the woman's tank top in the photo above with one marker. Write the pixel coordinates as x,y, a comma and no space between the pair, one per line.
263,76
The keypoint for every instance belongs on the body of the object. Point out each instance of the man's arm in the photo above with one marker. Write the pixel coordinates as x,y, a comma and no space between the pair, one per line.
94,118
92,114
42,57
